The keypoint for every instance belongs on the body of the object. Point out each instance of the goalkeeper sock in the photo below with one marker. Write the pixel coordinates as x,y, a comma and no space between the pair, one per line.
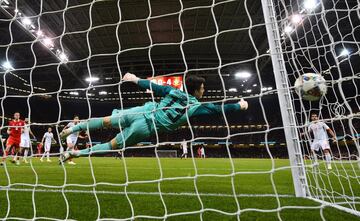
102,148
95,123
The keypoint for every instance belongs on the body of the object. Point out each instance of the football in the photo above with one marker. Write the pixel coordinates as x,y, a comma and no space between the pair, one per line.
310,86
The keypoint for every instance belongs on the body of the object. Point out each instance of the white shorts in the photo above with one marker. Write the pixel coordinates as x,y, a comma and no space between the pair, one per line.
25,143
316,144
71,140
47,146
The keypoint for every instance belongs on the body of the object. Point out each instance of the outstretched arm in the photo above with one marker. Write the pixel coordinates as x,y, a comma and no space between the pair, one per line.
212,109
159,90
42,140
32,134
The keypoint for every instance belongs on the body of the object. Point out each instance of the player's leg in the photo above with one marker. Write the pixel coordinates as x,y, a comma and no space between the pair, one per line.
23,146
47,150
70,147
123,118
26,152
43,155
314,147
137,131
326,148
9,144
16,154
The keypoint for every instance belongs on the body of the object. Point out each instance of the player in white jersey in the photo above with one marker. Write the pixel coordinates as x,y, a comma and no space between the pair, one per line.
25,143
321,140
202,152
71,140
48,137
184,149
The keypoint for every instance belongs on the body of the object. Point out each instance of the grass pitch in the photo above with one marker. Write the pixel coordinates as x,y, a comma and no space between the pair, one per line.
191,190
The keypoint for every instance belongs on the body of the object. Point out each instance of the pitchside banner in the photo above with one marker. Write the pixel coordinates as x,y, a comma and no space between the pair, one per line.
173,81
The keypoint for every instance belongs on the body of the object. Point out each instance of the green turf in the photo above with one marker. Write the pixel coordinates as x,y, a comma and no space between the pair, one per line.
215,183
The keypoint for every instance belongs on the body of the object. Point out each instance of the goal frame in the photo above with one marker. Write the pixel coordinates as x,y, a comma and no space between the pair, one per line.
287,110
167,151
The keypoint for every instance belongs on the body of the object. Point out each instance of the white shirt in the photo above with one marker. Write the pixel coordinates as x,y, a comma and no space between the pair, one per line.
184,146
202,151
25,135
48,137
319,130
72,136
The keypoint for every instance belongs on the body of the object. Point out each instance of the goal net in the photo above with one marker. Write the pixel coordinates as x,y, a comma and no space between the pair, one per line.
320,37
60,59
167,153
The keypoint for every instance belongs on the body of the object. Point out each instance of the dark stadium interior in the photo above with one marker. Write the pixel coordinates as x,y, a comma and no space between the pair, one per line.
107,42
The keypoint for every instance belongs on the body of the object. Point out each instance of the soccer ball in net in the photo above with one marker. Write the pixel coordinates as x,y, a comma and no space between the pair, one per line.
310,86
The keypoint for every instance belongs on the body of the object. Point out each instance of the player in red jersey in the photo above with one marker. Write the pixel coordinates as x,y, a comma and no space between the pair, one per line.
13,141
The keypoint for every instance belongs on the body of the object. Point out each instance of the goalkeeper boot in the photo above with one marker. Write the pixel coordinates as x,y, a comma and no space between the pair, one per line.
67,155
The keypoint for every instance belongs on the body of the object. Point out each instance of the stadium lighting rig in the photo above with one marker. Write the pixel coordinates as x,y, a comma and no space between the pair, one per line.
74,93
7,66
92,79
288,29
344,52
310,4
33,30
232,90
243,74
297,18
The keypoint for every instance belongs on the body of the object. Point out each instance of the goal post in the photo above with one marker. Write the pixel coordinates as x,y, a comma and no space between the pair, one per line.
284,96
60,59
167,153
305,42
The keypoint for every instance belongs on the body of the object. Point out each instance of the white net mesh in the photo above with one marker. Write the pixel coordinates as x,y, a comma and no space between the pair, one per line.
321,37
48,49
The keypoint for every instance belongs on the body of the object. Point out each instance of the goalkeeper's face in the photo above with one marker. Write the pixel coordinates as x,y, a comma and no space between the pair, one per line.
199,93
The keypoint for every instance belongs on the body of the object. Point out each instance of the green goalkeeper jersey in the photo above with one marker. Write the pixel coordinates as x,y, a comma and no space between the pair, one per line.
176,106
173,109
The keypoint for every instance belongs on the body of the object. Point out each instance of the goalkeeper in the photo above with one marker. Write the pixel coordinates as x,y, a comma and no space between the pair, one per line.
139,123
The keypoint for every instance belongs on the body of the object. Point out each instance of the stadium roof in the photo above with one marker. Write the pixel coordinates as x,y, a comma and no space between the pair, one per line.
109,37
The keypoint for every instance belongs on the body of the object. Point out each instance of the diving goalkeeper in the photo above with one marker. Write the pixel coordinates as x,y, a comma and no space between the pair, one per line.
139,123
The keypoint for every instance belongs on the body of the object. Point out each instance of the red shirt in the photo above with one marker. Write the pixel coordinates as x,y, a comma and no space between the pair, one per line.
15,129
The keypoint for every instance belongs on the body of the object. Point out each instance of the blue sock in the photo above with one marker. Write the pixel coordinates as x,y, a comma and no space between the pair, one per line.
102,148
95,123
